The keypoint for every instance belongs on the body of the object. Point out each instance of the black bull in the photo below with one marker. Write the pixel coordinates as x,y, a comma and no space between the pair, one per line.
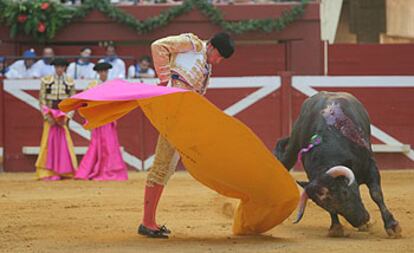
338,161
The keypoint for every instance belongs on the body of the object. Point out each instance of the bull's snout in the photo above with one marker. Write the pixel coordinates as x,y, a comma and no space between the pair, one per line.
359,220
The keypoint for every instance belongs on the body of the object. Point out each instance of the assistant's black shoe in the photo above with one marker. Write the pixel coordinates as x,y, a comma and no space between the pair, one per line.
143,230
165,230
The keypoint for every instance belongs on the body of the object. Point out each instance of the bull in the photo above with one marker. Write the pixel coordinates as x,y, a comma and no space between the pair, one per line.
332,139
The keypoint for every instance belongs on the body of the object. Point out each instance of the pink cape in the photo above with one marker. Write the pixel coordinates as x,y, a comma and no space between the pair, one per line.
103,160
58,156
55,113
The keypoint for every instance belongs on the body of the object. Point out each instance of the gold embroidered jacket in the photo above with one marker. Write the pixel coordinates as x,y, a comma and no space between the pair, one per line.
183,58
54,89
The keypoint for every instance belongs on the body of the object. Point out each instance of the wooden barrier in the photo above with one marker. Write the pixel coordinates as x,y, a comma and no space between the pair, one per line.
267,104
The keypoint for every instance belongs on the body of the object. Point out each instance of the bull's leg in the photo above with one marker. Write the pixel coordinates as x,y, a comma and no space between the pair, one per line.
374,184
336,229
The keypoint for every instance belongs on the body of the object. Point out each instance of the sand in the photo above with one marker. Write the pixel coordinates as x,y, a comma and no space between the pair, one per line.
79,216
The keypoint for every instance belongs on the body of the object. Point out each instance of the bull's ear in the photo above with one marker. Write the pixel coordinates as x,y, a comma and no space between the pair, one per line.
303,184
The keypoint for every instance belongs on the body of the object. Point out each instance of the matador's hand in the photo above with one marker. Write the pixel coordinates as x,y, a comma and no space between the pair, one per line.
50,120
165,83
61,121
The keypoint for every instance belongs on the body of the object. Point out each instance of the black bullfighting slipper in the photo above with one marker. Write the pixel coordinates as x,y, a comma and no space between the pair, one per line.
165,230
143,230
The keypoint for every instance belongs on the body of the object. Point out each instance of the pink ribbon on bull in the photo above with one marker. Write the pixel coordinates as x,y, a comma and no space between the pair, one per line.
315,141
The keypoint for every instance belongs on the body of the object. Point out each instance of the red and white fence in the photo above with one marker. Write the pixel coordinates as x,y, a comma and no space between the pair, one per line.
22,123
267,104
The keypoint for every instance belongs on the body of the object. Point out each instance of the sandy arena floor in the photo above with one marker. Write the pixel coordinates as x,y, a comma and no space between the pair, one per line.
76,216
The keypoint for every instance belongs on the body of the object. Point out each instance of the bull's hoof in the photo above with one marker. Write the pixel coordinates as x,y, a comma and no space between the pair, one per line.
337,231
394,231
364,228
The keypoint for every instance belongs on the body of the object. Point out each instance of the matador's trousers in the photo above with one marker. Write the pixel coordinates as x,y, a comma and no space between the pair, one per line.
165,162
166,157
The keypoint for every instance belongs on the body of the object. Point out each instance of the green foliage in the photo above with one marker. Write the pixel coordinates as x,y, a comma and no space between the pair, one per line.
42,19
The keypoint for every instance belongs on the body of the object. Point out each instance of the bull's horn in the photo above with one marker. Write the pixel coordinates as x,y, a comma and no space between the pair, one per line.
302,205
338,171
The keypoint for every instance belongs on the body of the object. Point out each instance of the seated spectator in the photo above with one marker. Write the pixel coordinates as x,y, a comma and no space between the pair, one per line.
24,68
82,68
3,68
73,2
142,69
166,2
125,2
43,67
118,65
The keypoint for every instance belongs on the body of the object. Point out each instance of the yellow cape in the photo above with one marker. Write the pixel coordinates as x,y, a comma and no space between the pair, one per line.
216,149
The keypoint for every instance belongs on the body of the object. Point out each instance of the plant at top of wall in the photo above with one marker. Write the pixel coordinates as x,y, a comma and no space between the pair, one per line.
42,19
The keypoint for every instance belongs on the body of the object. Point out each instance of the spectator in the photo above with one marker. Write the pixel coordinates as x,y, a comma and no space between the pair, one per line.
3,68
43,67
24,68
72,2
82,68
165,2
118,65
142,69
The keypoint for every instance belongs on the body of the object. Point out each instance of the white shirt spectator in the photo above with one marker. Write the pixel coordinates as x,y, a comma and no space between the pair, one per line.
118,68
18,70
3,68
134,71
42,69
81,70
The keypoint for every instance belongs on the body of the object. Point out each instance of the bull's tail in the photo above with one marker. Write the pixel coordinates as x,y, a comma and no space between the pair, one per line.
286,152
280,148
